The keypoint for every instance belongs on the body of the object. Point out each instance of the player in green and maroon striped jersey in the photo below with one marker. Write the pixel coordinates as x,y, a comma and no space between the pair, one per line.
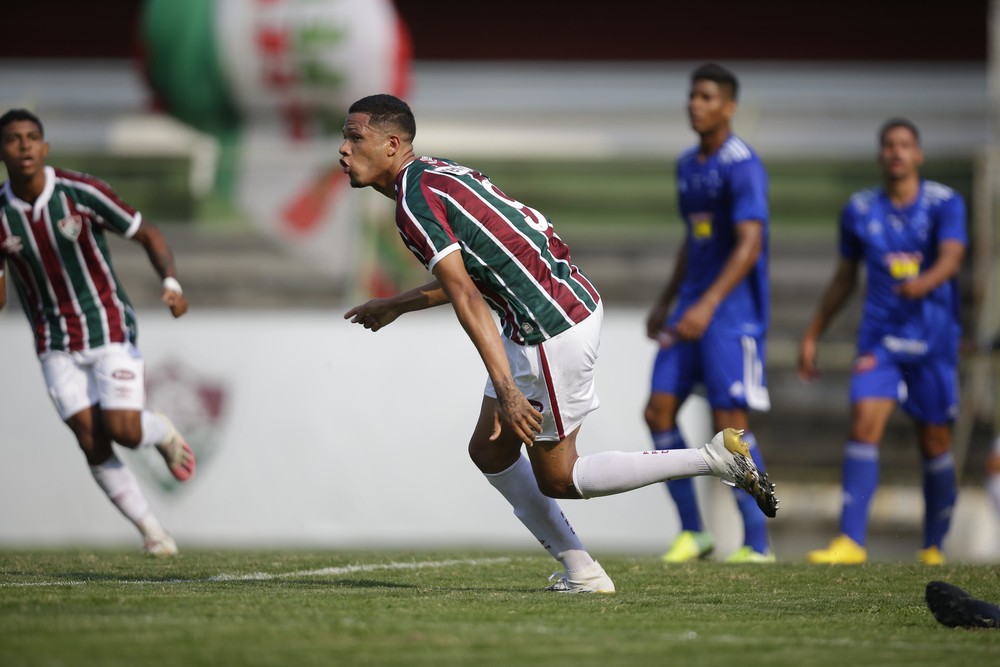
486,249
52,237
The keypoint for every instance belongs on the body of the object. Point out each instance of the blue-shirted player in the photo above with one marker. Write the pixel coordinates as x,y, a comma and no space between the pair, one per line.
715,335
910,235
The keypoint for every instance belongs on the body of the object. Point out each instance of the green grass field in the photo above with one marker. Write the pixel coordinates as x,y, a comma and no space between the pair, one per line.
477,609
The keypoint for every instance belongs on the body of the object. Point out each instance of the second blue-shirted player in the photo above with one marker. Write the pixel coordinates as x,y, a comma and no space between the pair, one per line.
910,236
715,336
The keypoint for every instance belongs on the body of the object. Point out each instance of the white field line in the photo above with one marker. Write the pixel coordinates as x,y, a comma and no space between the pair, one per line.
270,576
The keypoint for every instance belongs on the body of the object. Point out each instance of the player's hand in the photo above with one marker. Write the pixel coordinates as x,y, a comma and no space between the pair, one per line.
912,289
515,412
373,314
808,369
695,321
175,301
654,322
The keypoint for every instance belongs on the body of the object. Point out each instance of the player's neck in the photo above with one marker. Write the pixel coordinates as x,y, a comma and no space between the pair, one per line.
28,188
904,191
388,185
712,141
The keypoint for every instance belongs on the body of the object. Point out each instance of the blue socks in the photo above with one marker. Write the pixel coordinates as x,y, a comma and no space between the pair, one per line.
940,492
754,521
860,479
681,490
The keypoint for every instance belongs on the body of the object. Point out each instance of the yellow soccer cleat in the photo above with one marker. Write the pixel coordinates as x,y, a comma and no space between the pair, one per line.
689,545
746,554
842,551
931,556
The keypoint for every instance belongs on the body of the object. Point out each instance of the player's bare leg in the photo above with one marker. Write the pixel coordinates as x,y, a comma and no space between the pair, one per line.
117,481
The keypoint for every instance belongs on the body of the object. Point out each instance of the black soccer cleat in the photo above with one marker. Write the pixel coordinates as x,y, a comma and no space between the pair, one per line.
955,608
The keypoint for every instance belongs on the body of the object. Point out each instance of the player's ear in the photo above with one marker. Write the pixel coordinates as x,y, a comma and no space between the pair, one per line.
393,142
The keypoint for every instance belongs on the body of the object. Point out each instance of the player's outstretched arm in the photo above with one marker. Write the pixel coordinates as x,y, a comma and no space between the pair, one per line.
836,294
162,258
377,313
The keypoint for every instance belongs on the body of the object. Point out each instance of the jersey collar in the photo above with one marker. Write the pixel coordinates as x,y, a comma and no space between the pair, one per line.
399,175
43,199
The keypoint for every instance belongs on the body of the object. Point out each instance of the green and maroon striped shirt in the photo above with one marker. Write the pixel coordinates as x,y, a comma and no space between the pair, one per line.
59,257
521,267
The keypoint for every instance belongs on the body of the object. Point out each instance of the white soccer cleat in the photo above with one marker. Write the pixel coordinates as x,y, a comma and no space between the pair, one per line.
160,546
591,580
729,458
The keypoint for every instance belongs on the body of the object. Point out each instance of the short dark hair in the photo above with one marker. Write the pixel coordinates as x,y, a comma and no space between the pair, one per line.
717,73
893,123
20,114
387,110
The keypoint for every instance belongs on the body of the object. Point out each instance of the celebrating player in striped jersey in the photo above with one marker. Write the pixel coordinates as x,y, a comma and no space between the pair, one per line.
716,335
52,226
487,250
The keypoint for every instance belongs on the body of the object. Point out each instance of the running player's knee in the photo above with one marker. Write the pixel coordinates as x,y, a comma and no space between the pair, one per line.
96,450
935,441
123,427
560,489
493,460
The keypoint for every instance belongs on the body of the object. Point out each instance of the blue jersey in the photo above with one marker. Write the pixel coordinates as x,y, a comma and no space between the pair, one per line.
716,194
897,244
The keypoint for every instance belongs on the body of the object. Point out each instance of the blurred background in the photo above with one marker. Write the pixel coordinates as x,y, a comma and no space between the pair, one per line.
220,120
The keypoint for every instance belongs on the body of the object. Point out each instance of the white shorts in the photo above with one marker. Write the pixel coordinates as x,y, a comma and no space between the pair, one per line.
112,376
557,376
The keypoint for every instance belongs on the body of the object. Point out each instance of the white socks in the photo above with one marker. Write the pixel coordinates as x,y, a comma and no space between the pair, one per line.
540,514
608,473
154,429
122,488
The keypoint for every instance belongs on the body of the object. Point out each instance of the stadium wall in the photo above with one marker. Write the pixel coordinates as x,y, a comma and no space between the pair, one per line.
314,433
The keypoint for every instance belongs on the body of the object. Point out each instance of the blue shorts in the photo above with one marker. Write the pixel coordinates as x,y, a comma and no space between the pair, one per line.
927,389
730,366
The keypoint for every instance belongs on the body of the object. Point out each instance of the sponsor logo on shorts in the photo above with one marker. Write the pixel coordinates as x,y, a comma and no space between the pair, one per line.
905,345
123,374
537,405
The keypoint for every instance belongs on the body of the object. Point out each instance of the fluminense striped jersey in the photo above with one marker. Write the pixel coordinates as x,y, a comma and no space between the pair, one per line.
58,255
513,255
